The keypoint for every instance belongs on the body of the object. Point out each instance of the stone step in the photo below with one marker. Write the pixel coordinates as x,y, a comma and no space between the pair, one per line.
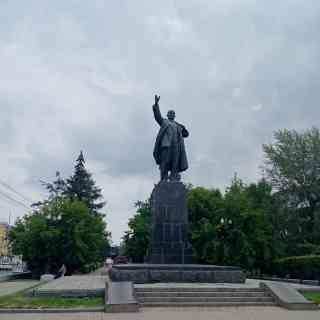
139,289
68,293
203,299
141,294
207,304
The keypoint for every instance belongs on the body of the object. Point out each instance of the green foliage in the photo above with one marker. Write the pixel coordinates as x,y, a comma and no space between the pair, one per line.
234,229
301,267
81,186
55,189
204,203
292,166
205,207
66,228
136,241
61,232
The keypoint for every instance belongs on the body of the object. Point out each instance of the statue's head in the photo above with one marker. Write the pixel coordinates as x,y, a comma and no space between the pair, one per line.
171,115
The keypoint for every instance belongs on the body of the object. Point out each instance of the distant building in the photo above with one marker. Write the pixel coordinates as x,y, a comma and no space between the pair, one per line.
4,242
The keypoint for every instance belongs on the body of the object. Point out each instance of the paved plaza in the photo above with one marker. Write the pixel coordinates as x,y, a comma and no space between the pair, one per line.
191,313
11,287
243,313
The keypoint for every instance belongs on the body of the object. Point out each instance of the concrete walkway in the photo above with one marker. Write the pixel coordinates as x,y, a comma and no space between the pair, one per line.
243,313
11,287
75,283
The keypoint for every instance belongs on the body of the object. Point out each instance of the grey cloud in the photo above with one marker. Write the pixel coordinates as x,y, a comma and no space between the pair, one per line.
81,75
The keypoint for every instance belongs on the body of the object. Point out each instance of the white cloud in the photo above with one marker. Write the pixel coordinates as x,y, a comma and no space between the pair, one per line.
83,75
256,107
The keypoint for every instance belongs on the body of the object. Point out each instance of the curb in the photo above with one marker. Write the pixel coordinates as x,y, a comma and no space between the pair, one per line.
315,283
120,298
288,297
21,311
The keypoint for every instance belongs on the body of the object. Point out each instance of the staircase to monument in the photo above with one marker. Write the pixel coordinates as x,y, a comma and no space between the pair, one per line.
211,297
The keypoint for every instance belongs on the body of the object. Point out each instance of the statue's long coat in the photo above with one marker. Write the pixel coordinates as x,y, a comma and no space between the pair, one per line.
178,150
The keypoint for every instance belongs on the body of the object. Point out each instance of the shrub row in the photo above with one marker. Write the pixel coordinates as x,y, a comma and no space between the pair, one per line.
301,267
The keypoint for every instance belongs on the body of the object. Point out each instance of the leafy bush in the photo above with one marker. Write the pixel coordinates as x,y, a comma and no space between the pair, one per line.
301,267
61,232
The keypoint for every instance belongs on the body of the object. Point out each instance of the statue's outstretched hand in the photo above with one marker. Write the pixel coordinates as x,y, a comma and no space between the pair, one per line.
156,110
156,99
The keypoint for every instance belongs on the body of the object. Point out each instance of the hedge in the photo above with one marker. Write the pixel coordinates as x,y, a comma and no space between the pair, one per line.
301,267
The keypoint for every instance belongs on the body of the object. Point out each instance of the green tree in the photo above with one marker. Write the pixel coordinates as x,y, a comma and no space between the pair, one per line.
136,240
82,187
61,231
56,190
234,229
250,236
274,219
205,242
292,166
204,203
205,208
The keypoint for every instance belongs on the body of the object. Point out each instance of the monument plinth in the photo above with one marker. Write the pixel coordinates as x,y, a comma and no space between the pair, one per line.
169,243
180,273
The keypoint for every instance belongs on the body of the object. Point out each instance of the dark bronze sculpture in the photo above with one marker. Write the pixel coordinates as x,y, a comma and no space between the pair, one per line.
169,150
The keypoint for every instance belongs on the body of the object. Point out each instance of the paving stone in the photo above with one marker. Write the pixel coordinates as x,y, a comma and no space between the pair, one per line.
11,287
199,313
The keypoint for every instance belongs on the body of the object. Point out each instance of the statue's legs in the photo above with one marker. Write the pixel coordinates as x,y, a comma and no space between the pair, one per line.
164,164
164,174
175,176
169,162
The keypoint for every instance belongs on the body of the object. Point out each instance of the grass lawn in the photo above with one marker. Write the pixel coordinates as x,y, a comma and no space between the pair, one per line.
312,296
21,301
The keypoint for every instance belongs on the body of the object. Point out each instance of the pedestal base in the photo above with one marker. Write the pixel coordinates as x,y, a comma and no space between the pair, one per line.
169,241
149,273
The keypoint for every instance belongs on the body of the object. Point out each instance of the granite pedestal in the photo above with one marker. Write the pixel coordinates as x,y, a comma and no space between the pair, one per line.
169,242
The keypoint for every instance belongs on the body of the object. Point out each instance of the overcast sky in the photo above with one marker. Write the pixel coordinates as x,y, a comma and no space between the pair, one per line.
81,75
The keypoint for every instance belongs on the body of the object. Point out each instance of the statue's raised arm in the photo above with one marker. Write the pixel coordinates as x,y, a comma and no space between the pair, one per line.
156,110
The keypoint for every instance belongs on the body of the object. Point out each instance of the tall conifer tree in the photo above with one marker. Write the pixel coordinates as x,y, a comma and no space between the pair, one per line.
82,187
